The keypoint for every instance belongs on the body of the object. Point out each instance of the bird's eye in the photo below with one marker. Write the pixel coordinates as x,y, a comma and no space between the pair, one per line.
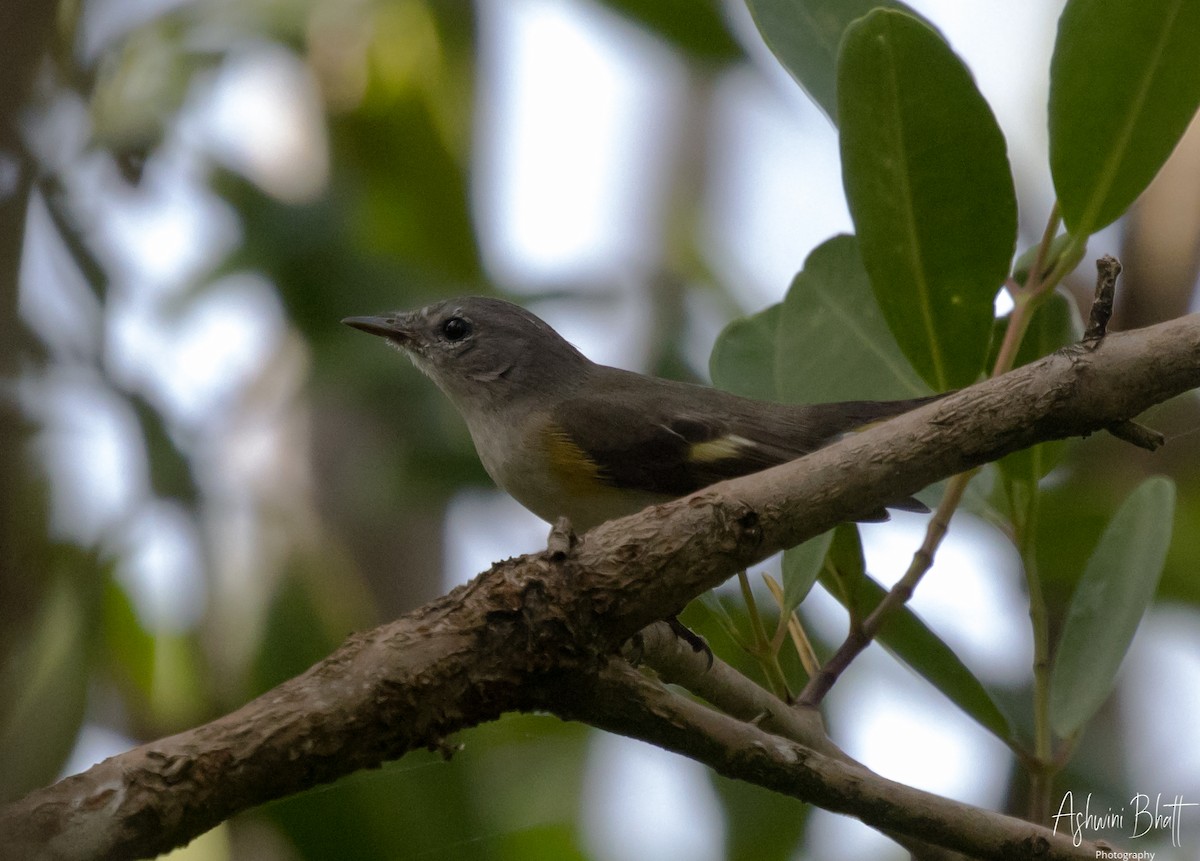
456,328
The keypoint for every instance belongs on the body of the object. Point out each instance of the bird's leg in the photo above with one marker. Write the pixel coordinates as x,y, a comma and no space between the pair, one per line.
562,539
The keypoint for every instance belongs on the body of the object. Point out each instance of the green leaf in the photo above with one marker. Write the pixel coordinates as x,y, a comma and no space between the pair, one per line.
543,842
1054,325
1112,596
1124,84
759,824
743,358
695,27
44,678
832,341
1059,246
710,602
801,565
804,36
827,341
170,469
930,190
907,637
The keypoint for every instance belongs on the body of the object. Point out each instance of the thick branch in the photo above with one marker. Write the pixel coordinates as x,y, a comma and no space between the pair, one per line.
525,633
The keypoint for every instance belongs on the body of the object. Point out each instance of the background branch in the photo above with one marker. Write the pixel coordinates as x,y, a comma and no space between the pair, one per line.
677,663
624,701
536,632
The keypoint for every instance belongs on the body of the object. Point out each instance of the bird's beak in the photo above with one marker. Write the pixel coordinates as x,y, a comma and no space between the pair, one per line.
392,328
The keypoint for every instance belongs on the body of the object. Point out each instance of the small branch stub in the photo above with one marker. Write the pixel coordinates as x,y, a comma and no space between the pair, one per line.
1137,434
1107,270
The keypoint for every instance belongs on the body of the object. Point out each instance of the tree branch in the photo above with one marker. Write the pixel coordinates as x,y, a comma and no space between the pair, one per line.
624,701
677,663
537,632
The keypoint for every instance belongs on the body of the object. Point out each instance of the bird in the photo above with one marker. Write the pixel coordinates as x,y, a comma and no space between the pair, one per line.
568,437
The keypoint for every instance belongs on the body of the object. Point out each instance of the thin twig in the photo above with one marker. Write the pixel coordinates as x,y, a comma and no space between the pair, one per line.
861,635
790,624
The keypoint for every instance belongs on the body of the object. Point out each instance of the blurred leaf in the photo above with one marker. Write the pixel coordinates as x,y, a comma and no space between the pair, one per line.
547,756
760,825
804,36
393,230
317,603
411,200
908,638
539,843
1054,325
1124,84
158,673
463,809
697,28
44,680
141,84
1117,586
1179,581
130,647
801,565
170,470
394,226
833,343
847,568
743,358
1071,517
929,187
1058,246
420,807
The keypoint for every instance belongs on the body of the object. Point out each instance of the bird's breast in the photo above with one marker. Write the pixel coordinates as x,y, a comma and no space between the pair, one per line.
541,467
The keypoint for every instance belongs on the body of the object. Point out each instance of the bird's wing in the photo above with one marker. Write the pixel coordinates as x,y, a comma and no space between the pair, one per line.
668,446
668,449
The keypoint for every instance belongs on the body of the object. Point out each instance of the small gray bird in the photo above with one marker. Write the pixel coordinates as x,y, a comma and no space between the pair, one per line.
568,437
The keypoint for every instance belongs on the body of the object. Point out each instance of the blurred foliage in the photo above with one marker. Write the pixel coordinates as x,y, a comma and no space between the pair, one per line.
932,198
316,491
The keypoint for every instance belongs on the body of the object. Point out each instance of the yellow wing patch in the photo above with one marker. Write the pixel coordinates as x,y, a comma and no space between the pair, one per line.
721,448
570,464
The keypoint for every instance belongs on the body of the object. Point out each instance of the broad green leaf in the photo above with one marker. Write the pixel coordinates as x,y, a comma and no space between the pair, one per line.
695,27
1112,596
930,190
804,36
832,341
743,358
907,637
801,565
1124,84
827,341
1054,325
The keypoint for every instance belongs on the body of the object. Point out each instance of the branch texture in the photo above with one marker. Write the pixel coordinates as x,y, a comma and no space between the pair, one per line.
537,633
